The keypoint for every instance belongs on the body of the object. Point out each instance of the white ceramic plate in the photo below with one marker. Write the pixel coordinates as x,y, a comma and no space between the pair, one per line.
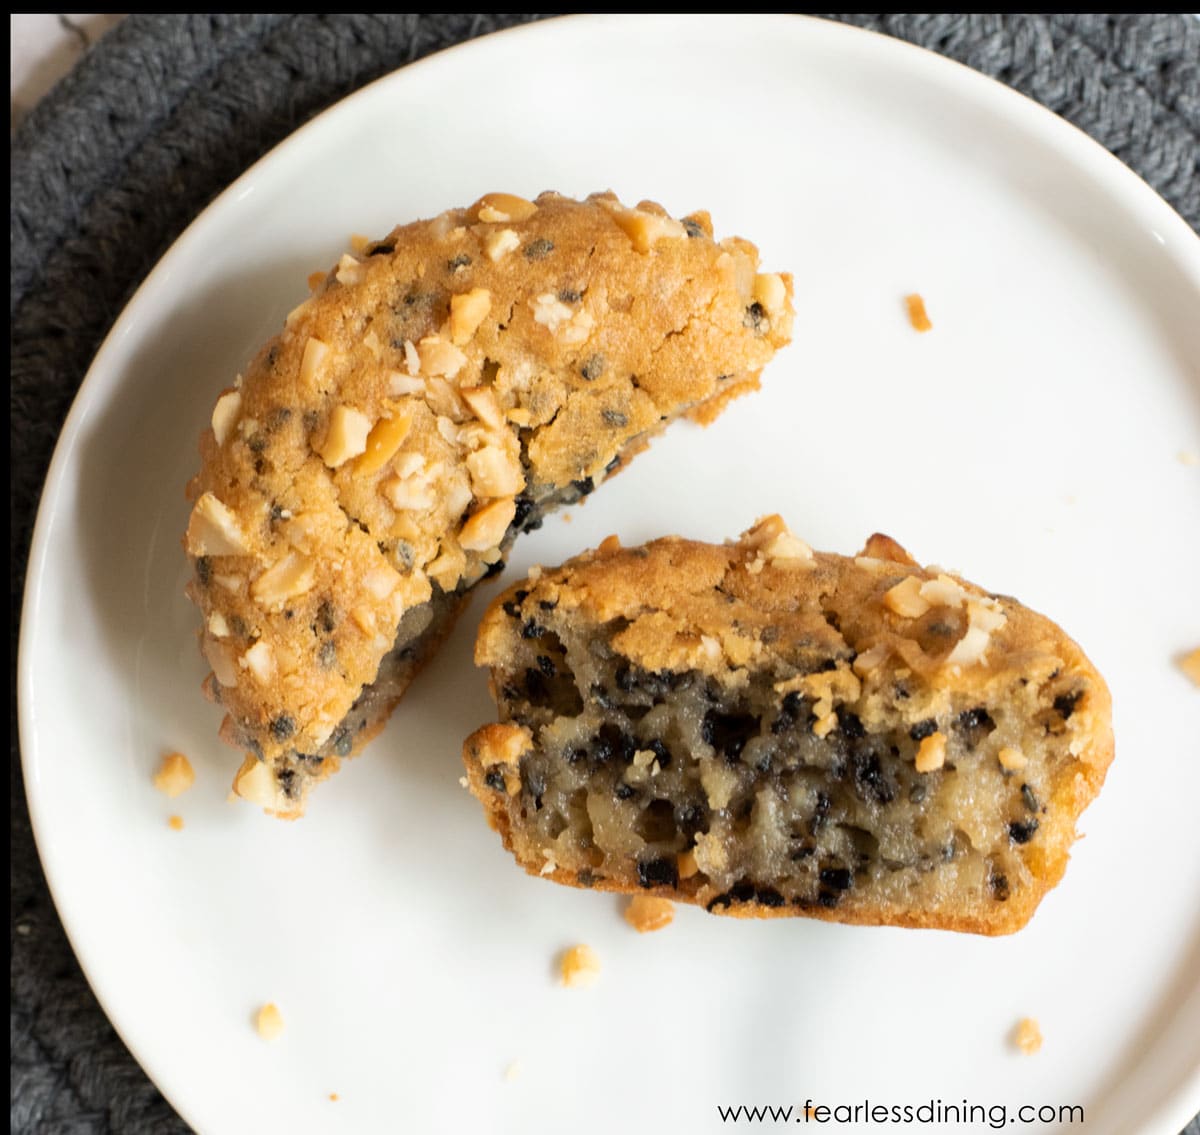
1032,441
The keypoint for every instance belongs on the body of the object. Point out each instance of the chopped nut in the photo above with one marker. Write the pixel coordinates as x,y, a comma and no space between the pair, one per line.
483,403
254,782
383,441
485,529
772,537
579,966
770,292
467,312
349,270
495,472
905,598
217,626
644,229
414,492
381,581
916,313
550,311
175,823
648,912
269,1022
493,208
400,384
1190,665
1027,1036
439,357
291,576
870,659
313,361
225,414
175,775
498,245
213,530
1012,759
259,661
931,754
942,592
347,436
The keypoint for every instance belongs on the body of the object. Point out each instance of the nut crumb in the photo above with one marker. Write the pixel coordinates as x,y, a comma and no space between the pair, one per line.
647,912
579,967
917,315
1190,665
1027,1036
334,1097
513,1071
931,754
269,1021
175,775
176,823
463,783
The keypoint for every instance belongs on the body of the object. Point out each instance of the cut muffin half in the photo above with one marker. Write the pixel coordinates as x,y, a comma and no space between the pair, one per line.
765,730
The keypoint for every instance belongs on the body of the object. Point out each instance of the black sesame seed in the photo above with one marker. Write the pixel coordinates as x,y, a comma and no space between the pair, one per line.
583,487
311,418
754,317
327,655
612,465
586,878
204,570
343,741
870,780
836,878
999,885
569,295
494,569
614,418
789,711
382,250
1064,704
287,781
326,616
851,725
525,518
972,719
495,780
547,604
1029,798
462,260
593,368
693,228
661,872
533,629
546,665
283,727
276,513
689,817
1022,831
923,729
539,249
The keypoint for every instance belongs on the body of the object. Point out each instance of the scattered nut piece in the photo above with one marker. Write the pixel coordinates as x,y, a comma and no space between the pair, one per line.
225,414
439,357
1190,665
498,245
333,1097
917,315
175,775
483,404
644,229
1028,1036
259,661
580,967
905,599
291,576
485,529
315,353
493,208
931,754
269,1021
1012,759
347,436
176,823
213,530
385,439
648,912
467,312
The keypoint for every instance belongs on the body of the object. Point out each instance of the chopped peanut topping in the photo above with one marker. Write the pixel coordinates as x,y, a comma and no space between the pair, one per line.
770,292
495,472
225,414
1190,665
931,754
644,229
175,823
1012,759
259,661
916,313
467,312
269,1022
498,245
905,599
485,529
383,441
315,354
289,577
493,208
347,436
1028,1036
483,404
580,967
439,357
213,530
648,912
175,775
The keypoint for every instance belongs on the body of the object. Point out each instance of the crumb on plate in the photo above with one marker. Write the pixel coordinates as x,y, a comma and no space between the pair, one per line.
175,775
1190,665
512,1071
176,823
648,912
333,1096
917,315
1027,1036
269,1021
580,966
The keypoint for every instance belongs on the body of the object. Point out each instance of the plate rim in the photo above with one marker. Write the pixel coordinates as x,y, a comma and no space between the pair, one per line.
1088,157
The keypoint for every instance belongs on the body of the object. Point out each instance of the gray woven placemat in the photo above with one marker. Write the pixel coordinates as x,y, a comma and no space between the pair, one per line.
167,110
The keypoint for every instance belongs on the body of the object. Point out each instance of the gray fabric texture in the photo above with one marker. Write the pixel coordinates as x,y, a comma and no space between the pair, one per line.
167,110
